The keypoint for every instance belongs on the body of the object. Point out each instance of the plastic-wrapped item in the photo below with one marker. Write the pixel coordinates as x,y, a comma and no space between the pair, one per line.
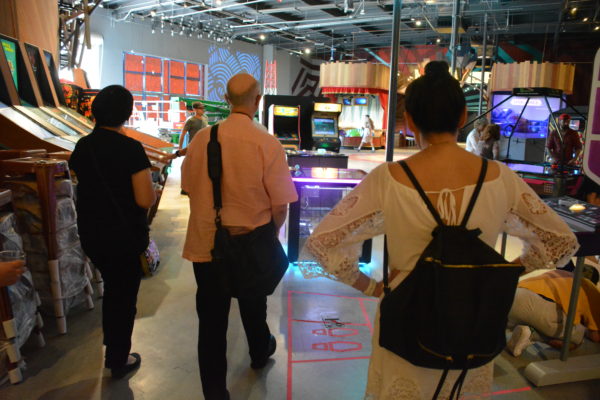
9,238
24,307
24,188
29,214
65,238
73,278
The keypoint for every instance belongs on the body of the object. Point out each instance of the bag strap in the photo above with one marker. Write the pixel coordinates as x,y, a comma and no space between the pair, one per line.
430,206
484,164
419,189
215,171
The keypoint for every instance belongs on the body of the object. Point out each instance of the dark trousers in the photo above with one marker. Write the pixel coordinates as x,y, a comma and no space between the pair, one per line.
122,277
213,315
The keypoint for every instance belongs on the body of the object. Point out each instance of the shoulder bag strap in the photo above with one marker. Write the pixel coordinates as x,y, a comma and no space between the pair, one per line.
215,170
475,192
419,189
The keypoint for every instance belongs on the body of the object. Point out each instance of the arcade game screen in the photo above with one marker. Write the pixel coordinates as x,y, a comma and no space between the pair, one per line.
360,101
533,122
324,127
10,50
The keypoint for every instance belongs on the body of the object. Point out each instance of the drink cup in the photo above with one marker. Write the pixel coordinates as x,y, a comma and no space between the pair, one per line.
12,255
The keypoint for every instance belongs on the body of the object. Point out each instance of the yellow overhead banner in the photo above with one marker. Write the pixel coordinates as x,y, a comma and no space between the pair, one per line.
328,107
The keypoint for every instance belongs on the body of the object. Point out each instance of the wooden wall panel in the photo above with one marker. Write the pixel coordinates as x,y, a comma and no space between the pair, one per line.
8,18
31,21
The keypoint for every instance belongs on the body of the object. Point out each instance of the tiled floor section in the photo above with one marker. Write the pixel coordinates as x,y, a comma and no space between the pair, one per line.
314,360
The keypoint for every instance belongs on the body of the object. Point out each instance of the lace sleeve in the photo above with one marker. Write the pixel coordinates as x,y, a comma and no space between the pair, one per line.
548,241
334,247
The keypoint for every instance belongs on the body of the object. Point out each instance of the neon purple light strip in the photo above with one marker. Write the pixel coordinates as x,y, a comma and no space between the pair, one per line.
325,180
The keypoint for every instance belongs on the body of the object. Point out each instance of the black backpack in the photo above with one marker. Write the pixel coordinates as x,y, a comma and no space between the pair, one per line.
451,311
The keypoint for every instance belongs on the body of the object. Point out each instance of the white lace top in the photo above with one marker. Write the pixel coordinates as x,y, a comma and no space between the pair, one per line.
382,205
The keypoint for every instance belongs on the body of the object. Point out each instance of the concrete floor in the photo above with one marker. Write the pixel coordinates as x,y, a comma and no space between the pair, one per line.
308,364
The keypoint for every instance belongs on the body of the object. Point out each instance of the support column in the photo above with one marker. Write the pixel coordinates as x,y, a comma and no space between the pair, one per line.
454,36
393,87
485,22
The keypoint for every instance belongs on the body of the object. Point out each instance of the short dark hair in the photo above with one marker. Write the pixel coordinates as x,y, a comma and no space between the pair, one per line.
112,106
435,101
197,104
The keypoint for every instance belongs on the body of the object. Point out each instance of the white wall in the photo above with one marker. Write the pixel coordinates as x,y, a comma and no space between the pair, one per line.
288,68
122,37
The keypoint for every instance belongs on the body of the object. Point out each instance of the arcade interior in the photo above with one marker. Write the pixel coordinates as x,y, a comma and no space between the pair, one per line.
324,69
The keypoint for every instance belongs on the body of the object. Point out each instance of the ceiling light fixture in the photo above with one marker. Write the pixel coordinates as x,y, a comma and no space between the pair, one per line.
418,22
597,28
586,19
573,10
438,40
307,51
262,36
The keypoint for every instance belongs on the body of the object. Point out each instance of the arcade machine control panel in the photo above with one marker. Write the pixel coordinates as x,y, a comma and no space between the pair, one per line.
581,215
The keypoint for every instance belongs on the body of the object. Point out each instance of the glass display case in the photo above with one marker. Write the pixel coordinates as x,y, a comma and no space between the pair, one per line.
319,190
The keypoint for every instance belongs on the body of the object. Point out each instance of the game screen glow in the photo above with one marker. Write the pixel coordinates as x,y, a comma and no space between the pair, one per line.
324,126
533,122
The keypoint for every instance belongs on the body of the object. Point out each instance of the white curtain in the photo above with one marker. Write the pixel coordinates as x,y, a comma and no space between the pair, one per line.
353,116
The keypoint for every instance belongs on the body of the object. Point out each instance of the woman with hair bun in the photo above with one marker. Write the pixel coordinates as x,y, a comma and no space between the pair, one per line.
114,193
386,202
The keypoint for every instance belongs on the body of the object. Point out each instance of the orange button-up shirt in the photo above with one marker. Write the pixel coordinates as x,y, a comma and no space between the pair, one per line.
255,178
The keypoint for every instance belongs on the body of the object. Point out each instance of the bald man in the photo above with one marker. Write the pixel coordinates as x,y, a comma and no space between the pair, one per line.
256,188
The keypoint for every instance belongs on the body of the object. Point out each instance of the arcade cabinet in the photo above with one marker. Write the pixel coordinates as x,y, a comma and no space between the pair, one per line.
23,125
319,191
524,120
63,109
324,124
284,124
48,92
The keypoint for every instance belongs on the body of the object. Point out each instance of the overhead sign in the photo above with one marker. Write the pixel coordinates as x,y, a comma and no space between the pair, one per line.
285,111
328,107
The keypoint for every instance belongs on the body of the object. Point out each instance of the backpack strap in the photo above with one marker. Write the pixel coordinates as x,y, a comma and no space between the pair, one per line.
419,189
480,180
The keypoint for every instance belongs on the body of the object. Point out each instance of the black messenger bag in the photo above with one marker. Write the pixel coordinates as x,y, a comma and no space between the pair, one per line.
251,264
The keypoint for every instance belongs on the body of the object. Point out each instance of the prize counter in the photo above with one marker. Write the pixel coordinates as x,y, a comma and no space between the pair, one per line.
319,190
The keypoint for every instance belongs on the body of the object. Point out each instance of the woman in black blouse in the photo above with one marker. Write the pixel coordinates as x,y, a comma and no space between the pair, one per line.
114,192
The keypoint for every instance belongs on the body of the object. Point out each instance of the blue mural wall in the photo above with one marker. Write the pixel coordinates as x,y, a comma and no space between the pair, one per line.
223,64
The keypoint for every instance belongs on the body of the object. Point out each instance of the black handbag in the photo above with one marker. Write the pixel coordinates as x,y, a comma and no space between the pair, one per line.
251,264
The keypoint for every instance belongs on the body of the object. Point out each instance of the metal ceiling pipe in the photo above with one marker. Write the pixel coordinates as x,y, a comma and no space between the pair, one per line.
141,8
220,8
393,89
454,37
485,24
319,23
